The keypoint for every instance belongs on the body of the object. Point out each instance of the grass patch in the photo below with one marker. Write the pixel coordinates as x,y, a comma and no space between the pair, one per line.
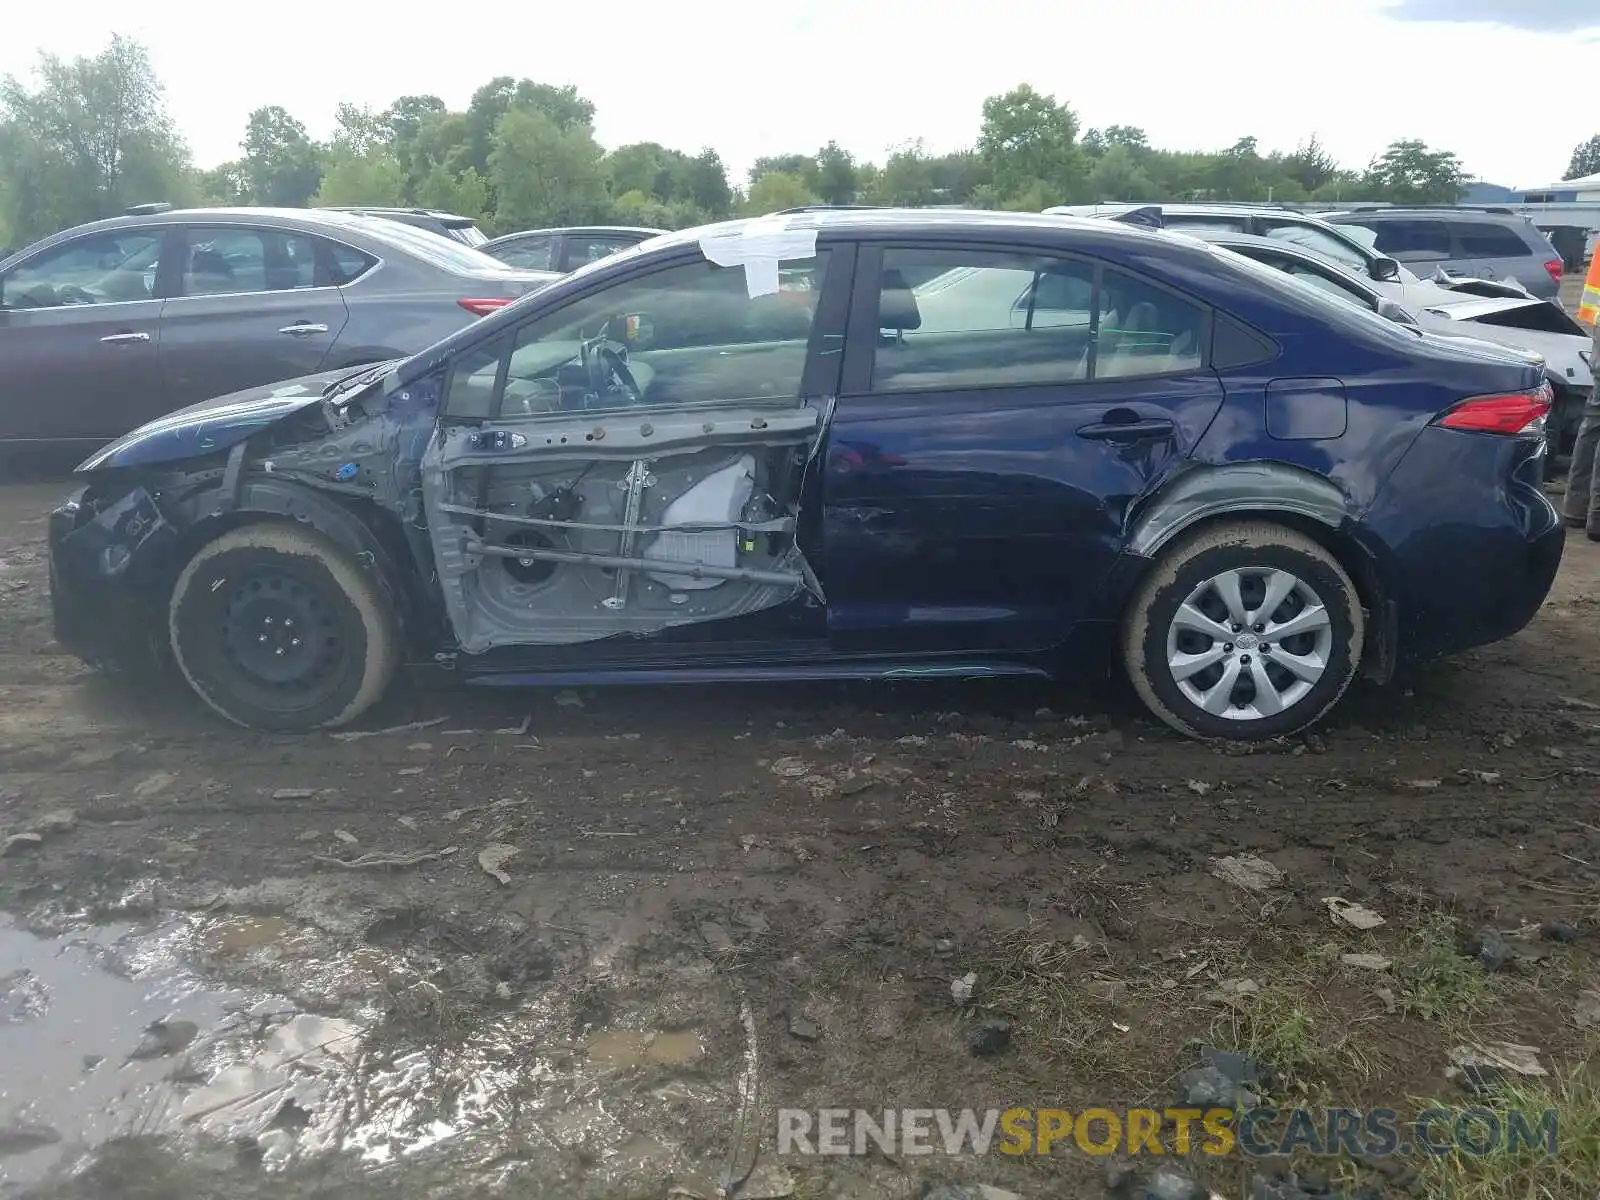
1040,983
1530,1174
1436,981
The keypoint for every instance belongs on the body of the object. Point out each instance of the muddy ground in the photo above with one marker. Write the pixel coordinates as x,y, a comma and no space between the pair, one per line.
827,859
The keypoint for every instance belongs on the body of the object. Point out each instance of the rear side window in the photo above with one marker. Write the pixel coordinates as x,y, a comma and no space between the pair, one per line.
225,262
345,264
998,319
582,250
1145,330
1413,239
530,254
1484,239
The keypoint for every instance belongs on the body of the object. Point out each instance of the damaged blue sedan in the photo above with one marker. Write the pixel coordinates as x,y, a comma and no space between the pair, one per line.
840,444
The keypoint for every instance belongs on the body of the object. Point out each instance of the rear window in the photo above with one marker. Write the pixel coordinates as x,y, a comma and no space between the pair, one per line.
443,252
1339,311
1484,239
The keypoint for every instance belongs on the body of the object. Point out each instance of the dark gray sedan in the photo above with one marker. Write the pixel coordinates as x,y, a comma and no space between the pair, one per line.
567,249
107,325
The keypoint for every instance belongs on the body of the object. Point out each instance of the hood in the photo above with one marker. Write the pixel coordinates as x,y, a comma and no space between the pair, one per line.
216,424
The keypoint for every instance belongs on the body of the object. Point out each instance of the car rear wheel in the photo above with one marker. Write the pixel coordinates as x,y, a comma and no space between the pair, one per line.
1244,631
277,628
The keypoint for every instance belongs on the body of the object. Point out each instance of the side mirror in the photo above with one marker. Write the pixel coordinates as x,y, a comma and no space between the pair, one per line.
1384,269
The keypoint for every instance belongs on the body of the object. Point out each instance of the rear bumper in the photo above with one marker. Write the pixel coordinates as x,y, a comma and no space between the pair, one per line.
1472,542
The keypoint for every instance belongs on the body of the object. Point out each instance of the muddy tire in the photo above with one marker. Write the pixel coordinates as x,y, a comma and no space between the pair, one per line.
277,628
1243,631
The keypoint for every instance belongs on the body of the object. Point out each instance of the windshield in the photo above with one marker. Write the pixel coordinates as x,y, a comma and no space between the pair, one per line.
1335,304
443,252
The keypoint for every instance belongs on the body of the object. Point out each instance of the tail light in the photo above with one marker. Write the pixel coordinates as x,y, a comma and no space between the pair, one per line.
483,307
1510,413
1554,266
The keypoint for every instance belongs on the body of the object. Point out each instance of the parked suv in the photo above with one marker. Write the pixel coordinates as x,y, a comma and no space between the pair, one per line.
1263,220
460,229
1492,243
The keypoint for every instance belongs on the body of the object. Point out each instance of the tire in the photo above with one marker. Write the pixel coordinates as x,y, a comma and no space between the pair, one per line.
276,628
1158,647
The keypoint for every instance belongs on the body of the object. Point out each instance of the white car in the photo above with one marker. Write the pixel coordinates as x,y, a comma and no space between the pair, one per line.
1483,310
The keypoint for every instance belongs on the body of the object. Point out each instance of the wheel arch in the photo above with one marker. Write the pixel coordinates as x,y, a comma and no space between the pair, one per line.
1293,497
367,533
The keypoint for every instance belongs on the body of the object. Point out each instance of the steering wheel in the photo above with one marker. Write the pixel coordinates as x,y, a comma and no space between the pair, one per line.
71,293
604,366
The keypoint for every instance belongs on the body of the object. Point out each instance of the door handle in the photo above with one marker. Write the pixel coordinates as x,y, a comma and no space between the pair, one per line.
1137,430
126,336
303,329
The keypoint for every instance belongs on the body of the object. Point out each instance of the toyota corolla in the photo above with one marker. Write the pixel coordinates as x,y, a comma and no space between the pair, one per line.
840,444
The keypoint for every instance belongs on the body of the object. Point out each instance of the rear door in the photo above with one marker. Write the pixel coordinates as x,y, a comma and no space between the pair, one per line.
80,334
977,470
250,305
1491,250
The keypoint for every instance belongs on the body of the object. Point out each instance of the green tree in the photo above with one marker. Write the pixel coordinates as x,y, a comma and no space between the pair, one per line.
90,137
1407,172
706,184
281,166
1129,137
1117,175
837,179
544,174
777,190
562,105
801,166
466,194
905,180
223,186
1027,140
355,179
1311,166
360,166
1585,159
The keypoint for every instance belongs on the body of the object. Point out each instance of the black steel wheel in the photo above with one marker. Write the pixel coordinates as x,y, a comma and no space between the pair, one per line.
277,628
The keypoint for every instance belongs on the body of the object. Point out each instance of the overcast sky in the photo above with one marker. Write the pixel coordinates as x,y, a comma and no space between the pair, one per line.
749,79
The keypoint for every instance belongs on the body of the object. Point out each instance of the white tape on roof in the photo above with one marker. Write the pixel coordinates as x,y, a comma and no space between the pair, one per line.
759,246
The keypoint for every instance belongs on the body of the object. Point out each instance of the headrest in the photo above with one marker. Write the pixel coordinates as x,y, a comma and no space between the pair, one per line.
897,307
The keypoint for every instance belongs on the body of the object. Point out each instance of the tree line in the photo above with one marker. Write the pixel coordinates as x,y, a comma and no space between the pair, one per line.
88,137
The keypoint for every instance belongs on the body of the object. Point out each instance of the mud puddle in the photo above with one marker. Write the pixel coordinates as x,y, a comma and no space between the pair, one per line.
272,1035
95,1028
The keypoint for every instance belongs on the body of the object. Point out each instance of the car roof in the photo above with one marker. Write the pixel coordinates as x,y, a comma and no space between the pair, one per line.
1363,215
645,230
437,213
1199,207
356,227
907,222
